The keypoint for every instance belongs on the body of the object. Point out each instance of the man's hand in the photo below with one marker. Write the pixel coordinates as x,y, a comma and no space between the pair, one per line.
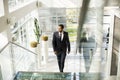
55,52
68,52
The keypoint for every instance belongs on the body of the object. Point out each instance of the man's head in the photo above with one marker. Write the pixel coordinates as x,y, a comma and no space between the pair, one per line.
60,27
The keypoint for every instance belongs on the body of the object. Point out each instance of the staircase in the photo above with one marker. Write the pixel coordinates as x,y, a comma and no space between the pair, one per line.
56,76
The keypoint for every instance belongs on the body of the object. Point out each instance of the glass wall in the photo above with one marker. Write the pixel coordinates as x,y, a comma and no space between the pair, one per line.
72,15
50,18
1,8
15,4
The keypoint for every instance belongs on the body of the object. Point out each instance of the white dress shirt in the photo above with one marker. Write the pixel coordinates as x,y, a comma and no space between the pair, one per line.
62,35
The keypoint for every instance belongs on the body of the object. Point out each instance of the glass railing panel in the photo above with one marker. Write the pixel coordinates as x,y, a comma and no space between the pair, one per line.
92,59
93,56
23,59
43,76
93,41
6,64
14,58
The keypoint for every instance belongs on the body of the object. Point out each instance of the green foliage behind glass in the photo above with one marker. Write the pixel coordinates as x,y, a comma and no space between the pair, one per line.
37,30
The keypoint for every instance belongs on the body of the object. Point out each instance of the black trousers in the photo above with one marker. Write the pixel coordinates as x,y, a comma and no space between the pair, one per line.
61,60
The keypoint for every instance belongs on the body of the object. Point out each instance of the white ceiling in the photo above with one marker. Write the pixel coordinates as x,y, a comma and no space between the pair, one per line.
62,3
77,3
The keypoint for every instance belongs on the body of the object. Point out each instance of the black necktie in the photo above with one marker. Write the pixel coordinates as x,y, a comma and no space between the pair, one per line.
60,36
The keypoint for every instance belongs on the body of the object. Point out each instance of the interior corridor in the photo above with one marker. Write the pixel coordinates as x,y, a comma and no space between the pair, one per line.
26,34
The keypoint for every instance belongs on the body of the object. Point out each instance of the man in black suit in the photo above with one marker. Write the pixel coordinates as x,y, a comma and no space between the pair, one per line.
61,45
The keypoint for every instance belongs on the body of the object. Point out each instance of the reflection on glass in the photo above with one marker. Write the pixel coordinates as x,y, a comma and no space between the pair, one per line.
93,39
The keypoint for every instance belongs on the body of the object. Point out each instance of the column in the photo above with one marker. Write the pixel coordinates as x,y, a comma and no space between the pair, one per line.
109,53
99,33
118,72
0,74
44,52
99,24
38,51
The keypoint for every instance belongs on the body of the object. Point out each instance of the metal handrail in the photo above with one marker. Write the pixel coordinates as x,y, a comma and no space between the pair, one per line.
23,48
4,47
115,50
18,46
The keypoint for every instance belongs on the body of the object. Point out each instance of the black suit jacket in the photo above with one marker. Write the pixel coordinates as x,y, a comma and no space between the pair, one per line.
59,45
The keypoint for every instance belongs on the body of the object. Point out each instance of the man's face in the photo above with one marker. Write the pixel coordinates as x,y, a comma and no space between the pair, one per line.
60,29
